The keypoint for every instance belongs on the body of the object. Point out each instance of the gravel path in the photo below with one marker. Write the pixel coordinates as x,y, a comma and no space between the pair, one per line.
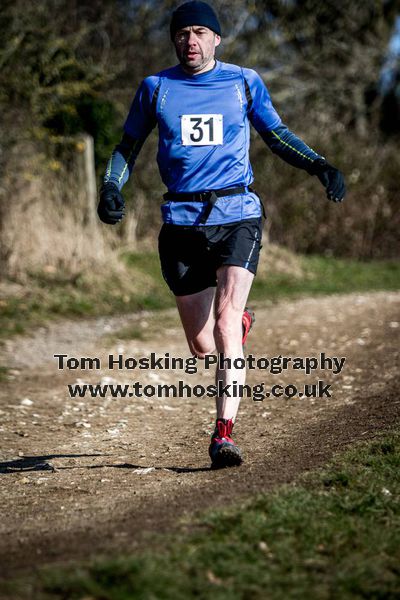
83,477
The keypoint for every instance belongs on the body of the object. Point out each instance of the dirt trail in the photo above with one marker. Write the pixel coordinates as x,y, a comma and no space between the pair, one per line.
90,477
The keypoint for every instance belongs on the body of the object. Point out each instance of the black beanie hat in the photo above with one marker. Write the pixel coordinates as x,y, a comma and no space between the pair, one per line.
194,13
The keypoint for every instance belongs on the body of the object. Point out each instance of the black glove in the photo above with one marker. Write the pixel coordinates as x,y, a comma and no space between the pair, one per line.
331,178
111,208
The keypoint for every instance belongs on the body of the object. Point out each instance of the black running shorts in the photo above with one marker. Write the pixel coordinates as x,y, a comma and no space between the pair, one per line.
190,256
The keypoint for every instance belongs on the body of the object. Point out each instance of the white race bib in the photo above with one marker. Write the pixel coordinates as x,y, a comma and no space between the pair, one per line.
202,130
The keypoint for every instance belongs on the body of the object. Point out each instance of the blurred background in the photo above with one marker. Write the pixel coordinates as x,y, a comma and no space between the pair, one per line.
68,73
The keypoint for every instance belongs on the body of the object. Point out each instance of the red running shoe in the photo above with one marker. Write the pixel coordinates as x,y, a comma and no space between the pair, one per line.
223,450
247,323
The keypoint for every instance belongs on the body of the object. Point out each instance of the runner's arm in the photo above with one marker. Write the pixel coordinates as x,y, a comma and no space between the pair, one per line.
138,125
122,160
294,151
283,142
290,148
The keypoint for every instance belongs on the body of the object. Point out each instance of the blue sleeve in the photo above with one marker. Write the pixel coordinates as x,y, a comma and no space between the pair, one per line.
290,148
122,160
260,110
269,125
141,117
140,121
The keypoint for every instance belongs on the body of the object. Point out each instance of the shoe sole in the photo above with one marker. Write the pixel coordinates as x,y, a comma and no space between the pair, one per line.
227,457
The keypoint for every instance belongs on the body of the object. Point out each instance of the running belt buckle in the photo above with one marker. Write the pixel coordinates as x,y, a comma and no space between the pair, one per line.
203,196
211,198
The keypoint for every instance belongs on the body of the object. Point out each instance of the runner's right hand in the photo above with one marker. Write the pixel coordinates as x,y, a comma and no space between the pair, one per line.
111,208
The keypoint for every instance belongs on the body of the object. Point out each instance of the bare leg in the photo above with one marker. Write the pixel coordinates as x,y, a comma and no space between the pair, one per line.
197,315
233,288
223,332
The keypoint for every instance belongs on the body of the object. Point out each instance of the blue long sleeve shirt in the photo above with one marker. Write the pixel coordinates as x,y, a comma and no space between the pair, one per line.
204,137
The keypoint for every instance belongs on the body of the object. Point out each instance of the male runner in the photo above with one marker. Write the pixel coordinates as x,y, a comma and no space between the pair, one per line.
210,240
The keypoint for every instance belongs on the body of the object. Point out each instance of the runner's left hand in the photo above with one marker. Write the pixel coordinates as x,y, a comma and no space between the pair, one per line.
332,179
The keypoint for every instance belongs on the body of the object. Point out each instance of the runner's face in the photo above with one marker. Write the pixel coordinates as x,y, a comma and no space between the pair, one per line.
195,48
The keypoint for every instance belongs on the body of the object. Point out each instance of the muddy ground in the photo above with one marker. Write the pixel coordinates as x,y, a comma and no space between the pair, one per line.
90,477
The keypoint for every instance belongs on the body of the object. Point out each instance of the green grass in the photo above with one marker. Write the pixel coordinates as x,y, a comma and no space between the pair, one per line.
335,533
146,329
4,374
329,276
142,287
47,298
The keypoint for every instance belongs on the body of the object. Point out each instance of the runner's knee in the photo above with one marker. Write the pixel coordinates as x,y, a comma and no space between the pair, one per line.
201,348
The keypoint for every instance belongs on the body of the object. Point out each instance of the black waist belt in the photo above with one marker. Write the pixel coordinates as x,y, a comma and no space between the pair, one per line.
209,198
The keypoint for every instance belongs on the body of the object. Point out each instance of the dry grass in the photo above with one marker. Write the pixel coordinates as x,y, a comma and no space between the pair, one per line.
52,230
49,227
275,259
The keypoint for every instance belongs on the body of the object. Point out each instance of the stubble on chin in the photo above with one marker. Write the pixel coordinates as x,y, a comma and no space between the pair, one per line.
197,66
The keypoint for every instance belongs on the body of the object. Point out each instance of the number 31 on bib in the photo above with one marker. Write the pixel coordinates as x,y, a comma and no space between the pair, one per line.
202,130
